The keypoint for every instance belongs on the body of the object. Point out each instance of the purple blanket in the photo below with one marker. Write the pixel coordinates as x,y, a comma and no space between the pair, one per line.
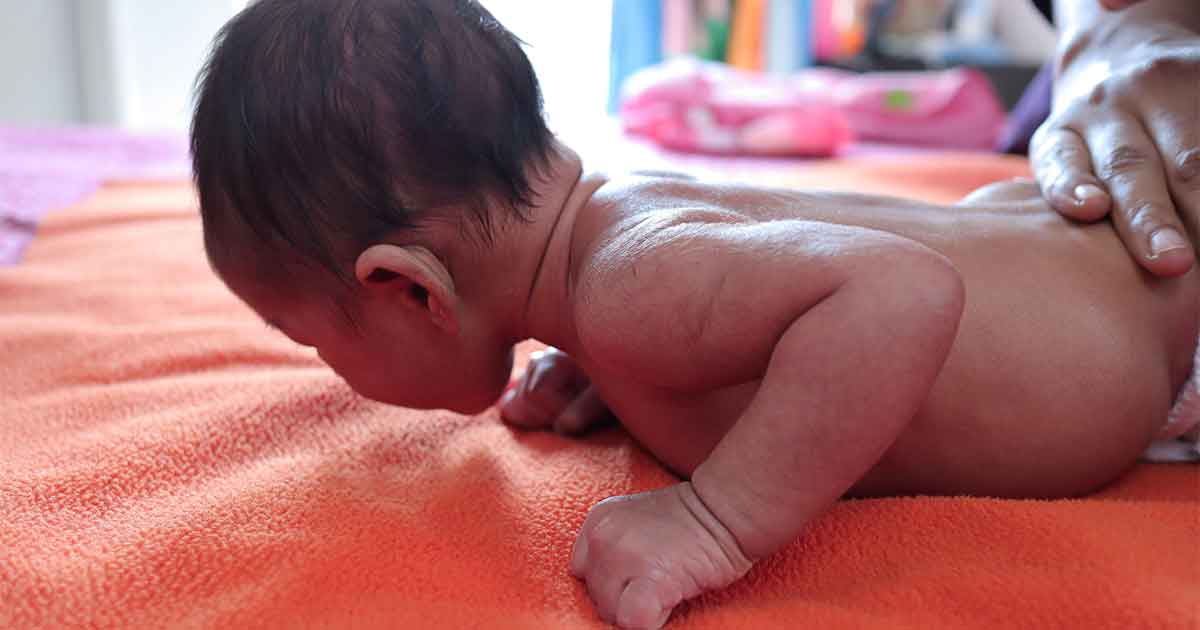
46,168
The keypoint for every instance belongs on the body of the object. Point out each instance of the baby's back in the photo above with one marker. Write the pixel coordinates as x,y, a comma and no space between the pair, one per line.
1067,356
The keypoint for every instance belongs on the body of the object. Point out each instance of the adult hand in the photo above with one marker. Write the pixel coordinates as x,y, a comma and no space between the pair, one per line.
1124,136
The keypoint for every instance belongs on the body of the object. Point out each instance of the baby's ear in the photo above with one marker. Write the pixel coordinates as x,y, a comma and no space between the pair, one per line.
416,276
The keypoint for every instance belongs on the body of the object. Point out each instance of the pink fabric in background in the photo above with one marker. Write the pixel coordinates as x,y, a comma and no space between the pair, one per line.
42,169
46,168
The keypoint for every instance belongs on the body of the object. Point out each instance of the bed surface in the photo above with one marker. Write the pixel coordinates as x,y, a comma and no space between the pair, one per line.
166,460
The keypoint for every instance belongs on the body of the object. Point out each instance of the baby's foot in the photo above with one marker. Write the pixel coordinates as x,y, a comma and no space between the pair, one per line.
553,393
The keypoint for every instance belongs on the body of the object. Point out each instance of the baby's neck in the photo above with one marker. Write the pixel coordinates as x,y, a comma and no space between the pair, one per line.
526,281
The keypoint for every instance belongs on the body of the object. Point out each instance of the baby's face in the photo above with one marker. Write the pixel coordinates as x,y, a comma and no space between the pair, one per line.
386,356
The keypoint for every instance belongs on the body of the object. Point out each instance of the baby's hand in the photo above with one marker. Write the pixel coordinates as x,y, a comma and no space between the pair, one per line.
643,554
553,392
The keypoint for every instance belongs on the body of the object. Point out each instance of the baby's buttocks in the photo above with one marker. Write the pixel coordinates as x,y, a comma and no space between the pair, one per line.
1066,363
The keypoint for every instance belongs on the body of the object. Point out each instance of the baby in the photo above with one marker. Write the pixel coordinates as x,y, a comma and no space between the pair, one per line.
377,181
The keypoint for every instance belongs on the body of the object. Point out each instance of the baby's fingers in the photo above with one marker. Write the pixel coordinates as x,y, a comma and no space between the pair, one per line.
519,408
544,391
642,604
579,555
582,413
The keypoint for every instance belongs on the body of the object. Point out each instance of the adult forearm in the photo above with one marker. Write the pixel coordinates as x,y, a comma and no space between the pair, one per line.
1086,24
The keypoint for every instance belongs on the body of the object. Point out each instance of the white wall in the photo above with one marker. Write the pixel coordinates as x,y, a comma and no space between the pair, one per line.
140,58
568,43
132,62
116,62
39,69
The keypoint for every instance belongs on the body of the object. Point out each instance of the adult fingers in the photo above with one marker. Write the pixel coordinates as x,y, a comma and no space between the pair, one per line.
1143,214
1177,135
586,410
1063,167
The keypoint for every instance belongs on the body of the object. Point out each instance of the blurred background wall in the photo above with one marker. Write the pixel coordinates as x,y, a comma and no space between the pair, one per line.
131,63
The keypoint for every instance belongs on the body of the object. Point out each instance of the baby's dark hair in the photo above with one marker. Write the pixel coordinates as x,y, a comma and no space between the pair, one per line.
322,126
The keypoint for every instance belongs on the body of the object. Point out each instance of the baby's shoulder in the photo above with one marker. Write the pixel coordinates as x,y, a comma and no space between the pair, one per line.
641,271
625,236
627,214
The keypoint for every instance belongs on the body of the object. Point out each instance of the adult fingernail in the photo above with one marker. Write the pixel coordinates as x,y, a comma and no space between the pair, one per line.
1087,192
1165,240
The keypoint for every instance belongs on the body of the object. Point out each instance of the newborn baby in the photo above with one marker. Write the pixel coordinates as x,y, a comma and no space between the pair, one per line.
376,180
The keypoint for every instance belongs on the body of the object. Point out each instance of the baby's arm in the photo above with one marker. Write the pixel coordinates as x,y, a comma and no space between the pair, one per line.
846,327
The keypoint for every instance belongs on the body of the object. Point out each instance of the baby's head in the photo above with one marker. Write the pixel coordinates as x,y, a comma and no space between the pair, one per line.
342,148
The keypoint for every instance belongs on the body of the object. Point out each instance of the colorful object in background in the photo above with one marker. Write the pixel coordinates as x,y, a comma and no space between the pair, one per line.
689,105
839,28
746,39
955,109
788,45
775,35
679,23
850,24
824,35
713,44
637,41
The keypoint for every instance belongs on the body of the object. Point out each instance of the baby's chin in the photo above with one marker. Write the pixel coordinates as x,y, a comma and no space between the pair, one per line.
473,408
465,403
480,402
471,393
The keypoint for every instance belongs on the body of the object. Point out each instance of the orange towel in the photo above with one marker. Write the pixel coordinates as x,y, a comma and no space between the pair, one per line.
166,461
